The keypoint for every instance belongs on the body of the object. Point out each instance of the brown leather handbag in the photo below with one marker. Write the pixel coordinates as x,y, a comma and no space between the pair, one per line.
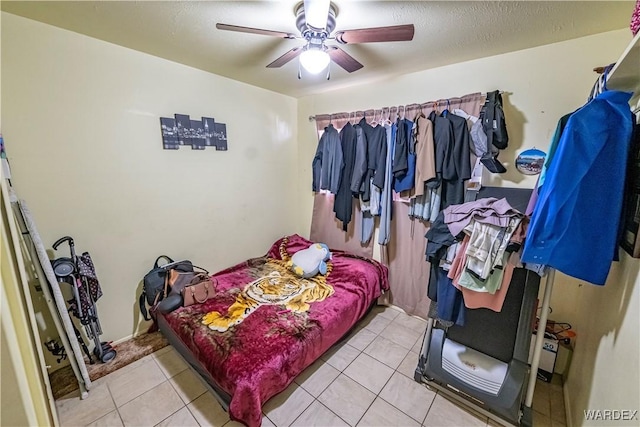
200,289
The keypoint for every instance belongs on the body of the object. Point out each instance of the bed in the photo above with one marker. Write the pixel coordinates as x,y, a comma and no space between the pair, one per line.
266,345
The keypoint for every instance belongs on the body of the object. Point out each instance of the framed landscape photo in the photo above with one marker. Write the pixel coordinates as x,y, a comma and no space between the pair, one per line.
530,162
209,127
183,125
197,135
169,133
221,136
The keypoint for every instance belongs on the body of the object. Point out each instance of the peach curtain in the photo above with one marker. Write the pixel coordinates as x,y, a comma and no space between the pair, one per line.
405,257
325,228
405,253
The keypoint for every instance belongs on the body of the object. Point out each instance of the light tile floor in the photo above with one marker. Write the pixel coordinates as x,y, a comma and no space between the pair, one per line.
337,390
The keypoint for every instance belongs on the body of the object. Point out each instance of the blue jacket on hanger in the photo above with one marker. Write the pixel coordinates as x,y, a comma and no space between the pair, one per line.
575,222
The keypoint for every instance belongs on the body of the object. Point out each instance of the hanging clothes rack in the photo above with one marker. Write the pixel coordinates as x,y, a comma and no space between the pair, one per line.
626,62
451,103
537,347
395,109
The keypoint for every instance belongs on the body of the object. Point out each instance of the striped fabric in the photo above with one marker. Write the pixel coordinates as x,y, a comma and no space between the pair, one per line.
635,19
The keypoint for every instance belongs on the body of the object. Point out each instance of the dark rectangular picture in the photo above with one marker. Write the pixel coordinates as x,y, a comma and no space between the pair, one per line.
221,136
209,128
183,123
169,133
197,135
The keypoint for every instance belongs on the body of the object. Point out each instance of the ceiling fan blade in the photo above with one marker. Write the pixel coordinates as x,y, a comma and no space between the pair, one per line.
316,13
250,30
343,59
293,53
396,33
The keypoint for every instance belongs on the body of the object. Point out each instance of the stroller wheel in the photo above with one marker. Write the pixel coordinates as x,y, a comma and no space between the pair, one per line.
63,267
108,355
105,353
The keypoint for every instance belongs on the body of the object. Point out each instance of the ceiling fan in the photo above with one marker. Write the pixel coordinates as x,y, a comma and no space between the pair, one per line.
316,20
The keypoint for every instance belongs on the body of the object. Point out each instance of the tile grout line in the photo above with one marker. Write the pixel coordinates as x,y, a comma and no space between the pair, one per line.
395,370
305,408
134,397
328,385
194,417
430,406
113,400
374,399
171,415
153,359
176,390
385,384
382,398
185,405
341,372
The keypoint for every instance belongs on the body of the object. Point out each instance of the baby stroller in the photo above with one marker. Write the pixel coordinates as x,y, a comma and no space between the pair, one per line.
79,273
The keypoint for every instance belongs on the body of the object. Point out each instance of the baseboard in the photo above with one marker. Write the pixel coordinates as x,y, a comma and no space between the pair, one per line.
567,405
128,337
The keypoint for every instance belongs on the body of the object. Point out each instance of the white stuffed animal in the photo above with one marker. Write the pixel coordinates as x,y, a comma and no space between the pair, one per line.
311,261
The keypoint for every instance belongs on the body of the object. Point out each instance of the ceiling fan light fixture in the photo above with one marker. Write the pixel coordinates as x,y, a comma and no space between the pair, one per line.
316,13
314,60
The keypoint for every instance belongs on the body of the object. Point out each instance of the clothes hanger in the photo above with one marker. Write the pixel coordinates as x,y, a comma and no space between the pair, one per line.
460,112
445,112
374,122
388,120
407,109
434,110
379,120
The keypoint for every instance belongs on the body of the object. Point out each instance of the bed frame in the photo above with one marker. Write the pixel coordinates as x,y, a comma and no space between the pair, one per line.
221,396
260,357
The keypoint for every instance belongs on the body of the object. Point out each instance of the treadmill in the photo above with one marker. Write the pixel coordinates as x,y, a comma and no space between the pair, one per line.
484,363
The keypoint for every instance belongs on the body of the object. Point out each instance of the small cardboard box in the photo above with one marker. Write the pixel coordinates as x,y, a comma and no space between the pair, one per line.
547,357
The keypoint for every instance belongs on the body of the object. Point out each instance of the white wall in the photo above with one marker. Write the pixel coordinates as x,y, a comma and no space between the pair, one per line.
80,119
605,371
542,84
81,125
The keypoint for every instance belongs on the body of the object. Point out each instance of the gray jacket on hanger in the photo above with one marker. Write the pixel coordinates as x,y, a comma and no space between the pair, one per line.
327,163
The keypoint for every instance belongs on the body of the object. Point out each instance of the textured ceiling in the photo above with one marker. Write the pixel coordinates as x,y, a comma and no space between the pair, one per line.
446,32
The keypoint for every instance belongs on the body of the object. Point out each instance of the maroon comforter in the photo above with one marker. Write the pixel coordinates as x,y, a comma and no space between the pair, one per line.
261,356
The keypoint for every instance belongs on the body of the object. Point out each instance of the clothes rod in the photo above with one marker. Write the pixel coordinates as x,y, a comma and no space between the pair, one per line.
312,118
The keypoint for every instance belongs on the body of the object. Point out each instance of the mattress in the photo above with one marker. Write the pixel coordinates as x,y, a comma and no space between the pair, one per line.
267,344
